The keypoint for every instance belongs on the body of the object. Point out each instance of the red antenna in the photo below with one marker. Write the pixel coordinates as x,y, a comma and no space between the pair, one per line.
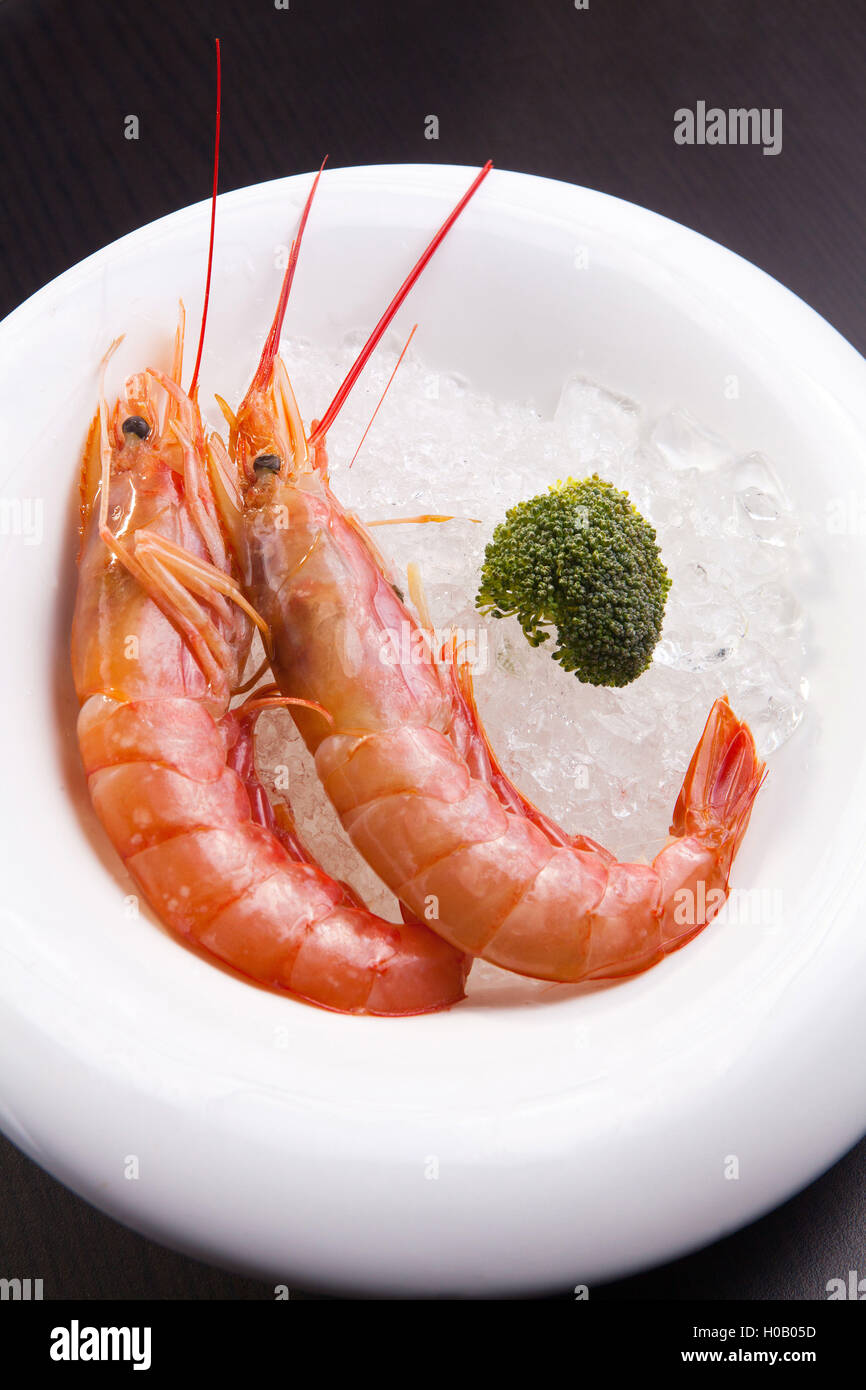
216,169
272,342
384,393
363,357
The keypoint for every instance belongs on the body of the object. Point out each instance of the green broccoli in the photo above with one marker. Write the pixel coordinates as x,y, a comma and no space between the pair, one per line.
582,559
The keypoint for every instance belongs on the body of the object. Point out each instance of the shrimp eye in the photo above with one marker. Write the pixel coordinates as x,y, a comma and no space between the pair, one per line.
268,463
136,425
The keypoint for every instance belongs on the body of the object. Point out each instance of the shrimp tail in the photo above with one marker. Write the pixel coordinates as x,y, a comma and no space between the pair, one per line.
720,786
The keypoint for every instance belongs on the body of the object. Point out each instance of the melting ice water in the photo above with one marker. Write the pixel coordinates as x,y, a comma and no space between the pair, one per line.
607,762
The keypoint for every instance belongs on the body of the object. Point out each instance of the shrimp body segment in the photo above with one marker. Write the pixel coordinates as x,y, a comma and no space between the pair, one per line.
159,641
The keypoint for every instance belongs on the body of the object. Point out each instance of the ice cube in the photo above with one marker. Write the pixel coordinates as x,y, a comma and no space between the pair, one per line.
684,444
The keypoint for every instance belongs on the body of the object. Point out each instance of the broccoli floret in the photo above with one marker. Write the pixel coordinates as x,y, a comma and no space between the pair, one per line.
582,559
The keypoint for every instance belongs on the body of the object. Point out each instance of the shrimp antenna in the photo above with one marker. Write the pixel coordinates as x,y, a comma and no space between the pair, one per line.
384,393
272,342
216,169
330,415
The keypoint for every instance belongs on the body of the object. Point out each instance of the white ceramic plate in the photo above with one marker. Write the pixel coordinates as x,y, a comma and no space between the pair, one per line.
574,1139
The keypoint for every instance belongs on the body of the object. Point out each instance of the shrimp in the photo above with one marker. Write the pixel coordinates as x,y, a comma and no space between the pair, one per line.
161,633
160,637
405,759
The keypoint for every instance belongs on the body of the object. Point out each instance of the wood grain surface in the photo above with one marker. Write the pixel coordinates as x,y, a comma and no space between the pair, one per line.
539,86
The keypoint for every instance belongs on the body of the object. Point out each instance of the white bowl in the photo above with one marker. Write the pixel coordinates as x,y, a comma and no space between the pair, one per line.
503,1146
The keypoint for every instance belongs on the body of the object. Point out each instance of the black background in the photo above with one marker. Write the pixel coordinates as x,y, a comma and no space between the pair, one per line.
585,96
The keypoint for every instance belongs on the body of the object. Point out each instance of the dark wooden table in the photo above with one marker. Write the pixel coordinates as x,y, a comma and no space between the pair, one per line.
540,86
